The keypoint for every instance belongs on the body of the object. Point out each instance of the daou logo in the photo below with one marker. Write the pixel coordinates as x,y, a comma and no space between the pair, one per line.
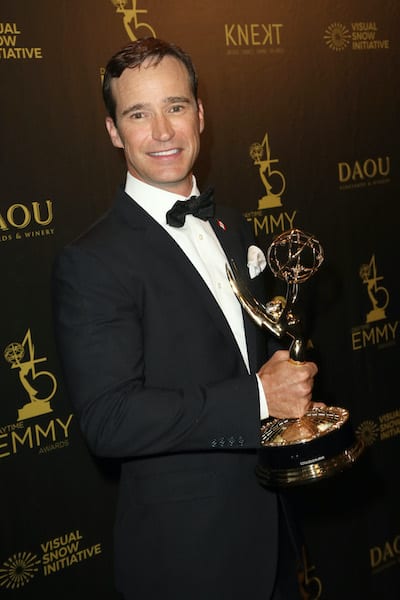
360,171
21,215
389,552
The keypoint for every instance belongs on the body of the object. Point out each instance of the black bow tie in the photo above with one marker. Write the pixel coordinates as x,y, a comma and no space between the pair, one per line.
201,206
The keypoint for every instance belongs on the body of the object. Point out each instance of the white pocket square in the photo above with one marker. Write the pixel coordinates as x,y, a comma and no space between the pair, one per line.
256,261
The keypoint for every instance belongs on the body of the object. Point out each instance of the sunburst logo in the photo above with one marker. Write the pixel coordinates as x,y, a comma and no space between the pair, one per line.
337,37
368,431
18,570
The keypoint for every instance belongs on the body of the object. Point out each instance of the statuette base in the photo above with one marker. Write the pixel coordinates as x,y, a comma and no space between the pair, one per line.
299,451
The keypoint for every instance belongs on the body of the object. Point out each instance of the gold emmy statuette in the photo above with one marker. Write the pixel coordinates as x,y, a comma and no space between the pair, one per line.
322,442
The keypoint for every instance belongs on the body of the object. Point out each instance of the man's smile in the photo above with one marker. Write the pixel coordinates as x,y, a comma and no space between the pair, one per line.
171,152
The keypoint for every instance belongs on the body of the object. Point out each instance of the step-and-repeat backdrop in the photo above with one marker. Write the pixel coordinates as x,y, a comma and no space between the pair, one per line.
302,123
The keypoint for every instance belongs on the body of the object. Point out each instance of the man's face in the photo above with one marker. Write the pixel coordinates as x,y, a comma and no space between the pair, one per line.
158,124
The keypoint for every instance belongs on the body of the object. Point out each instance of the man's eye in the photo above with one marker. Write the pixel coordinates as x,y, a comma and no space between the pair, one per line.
137,115
176,108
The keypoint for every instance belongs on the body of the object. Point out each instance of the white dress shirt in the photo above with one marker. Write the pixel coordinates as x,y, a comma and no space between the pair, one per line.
198,241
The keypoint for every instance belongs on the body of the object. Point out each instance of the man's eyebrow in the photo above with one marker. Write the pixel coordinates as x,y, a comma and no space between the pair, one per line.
174,99
144,106
135,107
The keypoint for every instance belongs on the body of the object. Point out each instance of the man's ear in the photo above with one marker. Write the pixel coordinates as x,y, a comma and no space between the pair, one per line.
200,110
113,133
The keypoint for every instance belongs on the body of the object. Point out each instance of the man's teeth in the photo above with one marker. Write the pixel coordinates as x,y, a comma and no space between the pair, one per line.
165,152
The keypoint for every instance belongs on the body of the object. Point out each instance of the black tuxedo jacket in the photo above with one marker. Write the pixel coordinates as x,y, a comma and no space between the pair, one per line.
157,379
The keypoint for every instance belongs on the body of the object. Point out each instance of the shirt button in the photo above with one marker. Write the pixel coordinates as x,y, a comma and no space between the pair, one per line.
200,236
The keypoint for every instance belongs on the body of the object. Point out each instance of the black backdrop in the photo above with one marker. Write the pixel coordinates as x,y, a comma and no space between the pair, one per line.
302,127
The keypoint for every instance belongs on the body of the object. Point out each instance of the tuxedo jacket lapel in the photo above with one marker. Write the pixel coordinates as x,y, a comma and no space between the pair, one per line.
234,250
155,237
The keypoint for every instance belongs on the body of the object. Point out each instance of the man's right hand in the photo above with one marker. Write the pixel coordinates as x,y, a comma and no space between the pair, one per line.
288,385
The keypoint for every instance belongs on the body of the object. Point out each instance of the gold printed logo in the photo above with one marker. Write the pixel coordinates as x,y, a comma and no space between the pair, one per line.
310,584
9,48
377,330
385,556
267,219
368,431
131,19
272,179
387,426
39,385
337,37
363,36
58,553
21,221
255,34
18,570
371,171
378,295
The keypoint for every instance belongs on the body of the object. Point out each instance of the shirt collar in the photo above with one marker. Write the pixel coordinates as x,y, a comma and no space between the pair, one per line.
155,201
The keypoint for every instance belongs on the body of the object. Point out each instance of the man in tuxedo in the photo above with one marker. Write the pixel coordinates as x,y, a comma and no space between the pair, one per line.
164,369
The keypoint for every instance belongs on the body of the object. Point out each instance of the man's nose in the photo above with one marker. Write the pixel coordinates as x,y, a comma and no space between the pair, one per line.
162,128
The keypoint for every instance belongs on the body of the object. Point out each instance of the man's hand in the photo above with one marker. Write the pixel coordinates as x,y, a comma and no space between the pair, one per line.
288,385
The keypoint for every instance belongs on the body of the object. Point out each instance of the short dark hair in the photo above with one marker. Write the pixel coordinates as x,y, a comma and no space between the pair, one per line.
134,55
